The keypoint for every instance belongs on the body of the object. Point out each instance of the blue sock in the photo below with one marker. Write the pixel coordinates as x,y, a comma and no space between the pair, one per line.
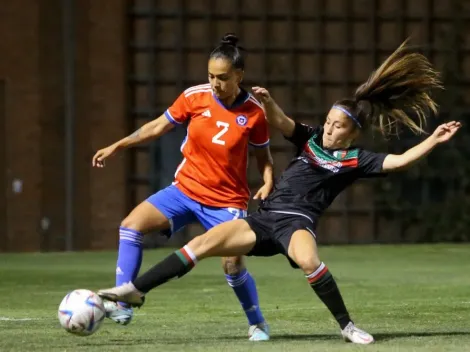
129,257
245,289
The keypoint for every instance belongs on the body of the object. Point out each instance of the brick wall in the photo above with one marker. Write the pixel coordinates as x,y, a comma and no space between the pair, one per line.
31,66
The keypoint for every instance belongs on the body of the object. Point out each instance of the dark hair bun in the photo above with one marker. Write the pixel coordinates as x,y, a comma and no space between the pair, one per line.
229,50
229,39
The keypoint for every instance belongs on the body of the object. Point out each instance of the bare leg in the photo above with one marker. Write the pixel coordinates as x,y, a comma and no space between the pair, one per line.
145,217
231,238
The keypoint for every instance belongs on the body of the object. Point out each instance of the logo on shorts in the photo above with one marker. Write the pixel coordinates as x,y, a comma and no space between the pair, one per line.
242,120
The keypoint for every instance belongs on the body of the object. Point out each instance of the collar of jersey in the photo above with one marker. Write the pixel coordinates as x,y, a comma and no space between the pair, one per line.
328,150
241,98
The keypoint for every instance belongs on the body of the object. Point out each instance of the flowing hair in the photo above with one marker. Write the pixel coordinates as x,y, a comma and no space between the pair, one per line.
397,94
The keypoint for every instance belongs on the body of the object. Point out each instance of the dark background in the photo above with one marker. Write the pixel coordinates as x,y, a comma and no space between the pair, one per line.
76,75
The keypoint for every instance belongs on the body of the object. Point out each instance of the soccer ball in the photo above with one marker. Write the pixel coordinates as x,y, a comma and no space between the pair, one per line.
81,312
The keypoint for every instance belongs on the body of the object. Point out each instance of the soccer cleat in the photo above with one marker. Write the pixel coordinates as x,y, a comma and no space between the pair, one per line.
355,335
117,313
126,293
258,332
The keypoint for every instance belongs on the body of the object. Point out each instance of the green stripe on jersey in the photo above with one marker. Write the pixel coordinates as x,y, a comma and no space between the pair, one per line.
338,155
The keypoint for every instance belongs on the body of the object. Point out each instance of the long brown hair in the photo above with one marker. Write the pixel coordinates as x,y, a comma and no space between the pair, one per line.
402,84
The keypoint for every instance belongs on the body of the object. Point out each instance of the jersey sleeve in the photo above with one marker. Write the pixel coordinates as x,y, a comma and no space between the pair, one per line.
301,135
180,111
259,134
371,164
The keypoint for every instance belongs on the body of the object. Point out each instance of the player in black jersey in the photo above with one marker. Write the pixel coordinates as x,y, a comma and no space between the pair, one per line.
326,163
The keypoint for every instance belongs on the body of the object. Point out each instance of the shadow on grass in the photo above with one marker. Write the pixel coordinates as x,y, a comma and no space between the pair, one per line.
379,337
400,335
384,336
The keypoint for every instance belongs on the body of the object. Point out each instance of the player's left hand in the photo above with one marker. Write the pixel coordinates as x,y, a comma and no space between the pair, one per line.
263,192
446,131
262,94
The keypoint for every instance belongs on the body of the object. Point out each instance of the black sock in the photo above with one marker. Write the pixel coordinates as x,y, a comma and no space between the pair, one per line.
326,289
176,264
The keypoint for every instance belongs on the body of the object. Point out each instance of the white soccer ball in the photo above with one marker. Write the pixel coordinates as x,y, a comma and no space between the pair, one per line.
81,312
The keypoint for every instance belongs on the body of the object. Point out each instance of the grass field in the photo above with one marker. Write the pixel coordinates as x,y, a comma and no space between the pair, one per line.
411,298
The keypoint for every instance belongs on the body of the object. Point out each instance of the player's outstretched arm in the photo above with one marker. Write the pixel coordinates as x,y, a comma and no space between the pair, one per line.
443,133
149,131
274,114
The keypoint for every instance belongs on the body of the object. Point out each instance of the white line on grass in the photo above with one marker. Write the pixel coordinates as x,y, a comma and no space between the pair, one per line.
19,319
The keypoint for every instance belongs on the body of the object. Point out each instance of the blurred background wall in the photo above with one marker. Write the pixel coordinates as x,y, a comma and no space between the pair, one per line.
76,75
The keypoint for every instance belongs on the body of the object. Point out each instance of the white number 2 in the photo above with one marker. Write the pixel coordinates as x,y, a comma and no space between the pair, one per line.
216,139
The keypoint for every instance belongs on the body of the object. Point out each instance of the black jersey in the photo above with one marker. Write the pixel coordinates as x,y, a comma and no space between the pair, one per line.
317,175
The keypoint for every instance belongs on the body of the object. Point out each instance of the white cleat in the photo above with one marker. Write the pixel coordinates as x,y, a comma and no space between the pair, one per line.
117,313
355,335
258,332
126,293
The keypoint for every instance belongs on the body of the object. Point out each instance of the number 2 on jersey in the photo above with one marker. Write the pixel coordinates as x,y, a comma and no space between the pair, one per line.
216,139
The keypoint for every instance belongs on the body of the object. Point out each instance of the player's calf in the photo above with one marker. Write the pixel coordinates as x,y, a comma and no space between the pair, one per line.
303,250
244,287
233,265
324,285
176,264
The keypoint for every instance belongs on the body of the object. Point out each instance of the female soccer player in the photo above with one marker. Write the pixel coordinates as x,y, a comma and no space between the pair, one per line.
326,163
210,183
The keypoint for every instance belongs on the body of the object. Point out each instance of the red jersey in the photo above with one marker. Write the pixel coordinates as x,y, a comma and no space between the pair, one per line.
215,150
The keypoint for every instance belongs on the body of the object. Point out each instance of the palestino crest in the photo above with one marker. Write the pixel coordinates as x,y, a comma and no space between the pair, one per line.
340,154
241,120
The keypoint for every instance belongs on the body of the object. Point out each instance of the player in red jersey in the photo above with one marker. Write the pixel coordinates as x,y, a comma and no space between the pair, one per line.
210,183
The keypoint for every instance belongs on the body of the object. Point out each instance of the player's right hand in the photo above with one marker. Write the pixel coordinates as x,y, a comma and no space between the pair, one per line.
101,155
262,94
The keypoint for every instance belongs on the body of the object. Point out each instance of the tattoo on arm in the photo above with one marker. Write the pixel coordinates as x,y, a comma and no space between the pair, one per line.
135,134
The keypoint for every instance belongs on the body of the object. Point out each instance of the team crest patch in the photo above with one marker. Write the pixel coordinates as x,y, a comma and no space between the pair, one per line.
340,154
242,120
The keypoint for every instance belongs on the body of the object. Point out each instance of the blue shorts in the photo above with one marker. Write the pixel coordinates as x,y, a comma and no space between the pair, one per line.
180,210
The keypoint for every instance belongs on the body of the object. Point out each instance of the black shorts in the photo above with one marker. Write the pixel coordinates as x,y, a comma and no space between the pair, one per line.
274,232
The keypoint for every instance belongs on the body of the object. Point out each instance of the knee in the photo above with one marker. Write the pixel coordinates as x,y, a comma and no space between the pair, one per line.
132,223
233,265
308,264
199,245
